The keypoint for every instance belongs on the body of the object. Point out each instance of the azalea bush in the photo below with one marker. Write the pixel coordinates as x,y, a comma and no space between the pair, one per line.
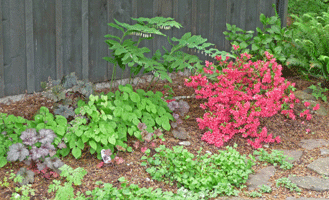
239,94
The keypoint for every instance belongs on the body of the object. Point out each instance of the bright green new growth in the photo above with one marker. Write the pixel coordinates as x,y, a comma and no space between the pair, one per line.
276,157
218,172
134,192
67,191
126,51
114,115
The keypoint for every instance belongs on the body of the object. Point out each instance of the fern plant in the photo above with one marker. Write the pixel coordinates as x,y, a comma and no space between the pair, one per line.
311,40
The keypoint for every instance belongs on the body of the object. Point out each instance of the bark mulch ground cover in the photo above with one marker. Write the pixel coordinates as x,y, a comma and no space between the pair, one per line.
291,132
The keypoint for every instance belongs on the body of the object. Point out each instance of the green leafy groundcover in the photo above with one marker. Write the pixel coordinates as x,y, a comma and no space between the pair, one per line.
218,172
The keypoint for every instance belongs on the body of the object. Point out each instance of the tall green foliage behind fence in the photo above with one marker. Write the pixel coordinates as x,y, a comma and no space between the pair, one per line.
55,37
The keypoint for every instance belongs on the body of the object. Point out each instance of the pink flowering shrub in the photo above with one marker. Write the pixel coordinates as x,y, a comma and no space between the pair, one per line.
238,95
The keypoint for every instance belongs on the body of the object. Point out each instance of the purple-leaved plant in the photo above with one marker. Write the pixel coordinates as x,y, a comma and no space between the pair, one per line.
35,148
179,110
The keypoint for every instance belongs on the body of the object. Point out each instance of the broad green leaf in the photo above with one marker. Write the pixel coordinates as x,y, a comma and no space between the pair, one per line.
134,97
111,140
78,132
112,36
92,144
80,144
76,152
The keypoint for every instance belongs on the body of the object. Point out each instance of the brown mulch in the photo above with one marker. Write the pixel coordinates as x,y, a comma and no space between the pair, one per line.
291,132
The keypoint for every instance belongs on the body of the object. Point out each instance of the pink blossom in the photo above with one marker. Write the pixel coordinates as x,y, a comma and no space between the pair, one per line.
153,144
143,149
307,130
306,104
236,47
316,107
302,122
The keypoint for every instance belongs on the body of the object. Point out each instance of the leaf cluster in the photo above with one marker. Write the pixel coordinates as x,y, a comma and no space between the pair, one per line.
66,92
218,172
132,191
272,38
126,51
34,149
276,157
300,7
67,191
10,129
311,40
114,115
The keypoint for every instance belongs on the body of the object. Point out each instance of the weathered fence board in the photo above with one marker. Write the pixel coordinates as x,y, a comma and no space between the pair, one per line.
53,38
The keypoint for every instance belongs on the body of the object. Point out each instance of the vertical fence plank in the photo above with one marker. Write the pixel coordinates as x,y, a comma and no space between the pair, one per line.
59,41
16,74
85,40
97,30
72,37
2,67
44,40
252,16
29,46
220,21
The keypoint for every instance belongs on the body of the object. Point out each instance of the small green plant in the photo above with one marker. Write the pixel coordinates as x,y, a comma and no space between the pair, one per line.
170,92
317,92
187,116
288,184
276,157
266,189
132,191
114,115
25,191
255,194
66,192
218,172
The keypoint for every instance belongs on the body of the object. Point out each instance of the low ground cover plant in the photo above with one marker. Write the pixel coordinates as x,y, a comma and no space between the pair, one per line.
218,172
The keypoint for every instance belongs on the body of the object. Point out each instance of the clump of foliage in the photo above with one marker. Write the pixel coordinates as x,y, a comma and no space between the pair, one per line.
272,38
218,172
66,92
300,7
10,129
179,110
311,41
276,157
126,51
67,191
34,150
132,191
112,116
45,120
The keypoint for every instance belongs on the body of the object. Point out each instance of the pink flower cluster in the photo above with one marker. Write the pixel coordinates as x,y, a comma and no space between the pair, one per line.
240,97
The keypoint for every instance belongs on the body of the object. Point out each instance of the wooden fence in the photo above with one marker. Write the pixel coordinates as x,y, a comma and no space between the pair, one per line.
41,38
